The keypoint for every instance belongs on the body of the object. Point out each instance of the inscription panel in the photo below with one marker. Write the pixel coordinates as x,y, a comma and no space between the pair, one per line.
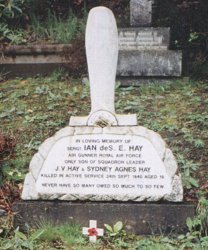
140,39
100,164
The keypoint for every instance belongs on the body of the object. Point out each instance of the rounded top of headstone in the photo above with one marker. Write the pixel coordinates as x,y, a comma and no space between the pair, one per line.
99,9
100,14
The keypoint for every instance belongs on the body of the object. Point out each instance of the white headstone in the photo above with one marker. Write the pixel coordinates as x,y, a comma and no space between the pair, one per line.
102,160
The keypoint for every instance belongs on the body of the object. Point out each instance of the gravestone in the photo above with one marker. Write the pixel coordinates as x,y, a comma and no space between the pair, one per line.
104,157
141,12
144,50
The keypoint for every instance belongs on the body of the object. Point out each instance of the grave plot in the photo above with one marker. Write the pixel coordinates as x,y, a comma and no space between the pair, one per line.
122,162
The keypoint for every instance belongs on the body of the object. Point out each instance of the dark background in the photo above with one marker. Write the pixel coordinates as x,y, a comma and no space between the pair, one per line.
188,20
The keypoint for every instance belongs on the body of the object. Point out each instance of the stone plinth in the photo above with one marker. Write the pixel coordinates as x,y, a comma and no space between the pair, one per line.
31,60
166,63
139,218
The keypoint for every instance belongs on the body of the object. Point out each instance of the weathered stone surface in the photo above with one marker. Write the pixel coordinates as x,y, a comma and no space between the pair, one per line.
36,163
32,69
29,191
91,163
23,60
170,163
142,218
34,49
141,81
176,190
144,51
141,13
30,60
144,38
149,63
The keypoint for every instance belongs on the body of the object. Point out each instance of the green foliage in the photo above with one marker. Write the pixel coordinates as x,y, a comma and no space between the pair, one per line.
16,14
150,244
33,144
12,36
42,90
193,36
177,110
34,109
68,236
12,170
188,136
116,235
21,241
188,168
10,9
197,237
10,12
202,212
114,231
57,30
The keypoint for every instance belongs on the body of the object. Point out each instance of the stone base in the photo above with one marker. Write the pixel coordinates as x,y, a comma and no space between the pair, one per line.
149,63
139,218
26,60
31,69
141,81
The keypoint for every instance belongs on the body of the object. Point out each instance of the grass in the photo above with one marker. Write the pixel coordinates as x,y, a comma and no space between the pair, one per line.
57,30
33,109
68,236
52,30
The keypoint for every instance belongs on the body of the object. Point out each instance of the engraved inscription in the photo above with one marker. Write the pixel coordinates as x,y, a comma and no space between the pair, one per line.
135,40
104,165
